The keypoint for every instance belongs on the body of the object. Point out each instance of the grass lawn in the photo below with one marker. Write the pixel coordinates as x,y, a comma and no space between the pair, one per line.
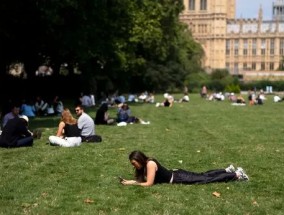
198,136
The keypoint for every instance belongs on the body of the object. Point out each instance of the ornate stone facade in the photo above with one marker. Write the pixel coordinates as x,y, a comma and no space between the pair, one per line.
243,46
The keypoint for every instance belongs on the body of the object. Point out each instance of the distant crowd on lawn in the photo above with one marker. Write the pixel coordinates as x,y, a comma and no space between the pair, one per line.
72,131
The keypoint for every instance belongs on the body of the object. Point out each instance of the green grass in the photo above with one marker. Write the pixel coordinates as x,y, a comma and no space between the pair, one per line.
204,135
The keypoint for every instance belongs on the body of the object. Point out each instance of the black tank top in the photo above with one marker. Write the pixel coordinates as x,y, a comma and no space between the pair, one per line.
163,175
71,130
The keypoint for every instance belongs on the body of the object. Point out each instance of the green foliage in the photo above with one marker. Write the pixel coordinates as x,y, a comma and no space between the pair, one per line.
164,78
219,80
219,74
195,81
112,41
276,85
232,88
168,50
198,136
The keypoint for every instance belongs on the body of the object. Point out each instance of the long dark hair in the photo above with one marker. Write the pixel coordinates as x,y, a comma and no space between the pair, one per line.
142,159
104,107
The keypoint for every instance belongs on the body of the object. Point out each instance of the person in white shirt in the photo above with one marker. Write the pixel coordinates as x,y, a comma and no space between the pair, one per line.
185,98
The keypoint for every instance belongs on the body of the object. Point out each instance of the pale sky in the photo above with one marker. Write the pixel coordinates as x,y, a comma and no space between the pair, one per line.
249,8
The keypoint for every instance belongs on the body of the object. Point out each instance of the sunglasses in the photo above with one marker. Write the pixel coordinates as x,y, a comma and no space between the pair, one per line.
77,110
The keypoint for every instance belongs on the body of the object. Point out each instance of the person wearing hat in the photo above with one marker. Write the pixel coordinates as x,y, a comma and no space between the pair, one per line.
16,133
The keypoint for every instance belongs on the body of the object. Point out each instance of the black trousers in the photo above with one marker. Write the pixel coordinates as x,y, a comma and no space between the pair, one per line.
186,177
23,142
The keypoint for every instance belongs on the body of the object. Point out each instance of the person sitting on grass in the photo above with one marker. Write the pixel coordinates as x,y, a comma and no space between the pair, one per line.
15,111
185,98
41,106
68,134
16,133
85,122
124,116
102,116
168,102
87,126
241,100
148,171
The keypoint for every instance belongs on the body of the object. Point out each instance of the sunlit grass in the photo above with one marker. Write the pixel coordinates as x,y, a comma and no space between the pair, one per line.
203,135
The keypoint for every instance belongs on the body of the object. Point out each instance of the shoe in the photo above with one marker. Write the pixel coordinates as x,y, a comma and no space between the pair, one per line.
242,175
122,124
145,123
230,169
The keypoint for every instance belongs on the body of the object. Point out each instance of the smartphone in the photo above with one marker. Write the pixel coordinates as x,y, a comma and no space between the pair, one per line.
120,178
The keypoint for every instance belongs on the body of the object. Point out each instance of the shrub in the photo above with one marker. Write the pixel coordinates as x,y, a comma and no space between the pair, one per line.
233,88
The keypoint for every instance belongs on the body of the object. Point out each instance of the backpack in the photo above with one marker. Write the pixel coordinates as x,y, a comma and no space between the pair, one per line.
92,139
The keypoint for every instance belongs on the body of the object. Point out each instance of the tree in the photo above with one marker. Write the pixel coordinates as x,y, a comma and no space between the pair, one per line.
118,44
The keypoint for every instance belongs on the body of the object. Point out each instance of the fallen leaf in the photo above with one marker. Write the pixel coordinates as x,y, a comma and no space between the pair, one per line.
216,194
44,194
88,201
26,205
255,203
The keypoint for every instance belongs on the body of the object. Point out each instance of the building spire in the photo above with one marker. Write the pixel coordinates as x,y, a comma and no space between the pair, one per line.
260,17
260,13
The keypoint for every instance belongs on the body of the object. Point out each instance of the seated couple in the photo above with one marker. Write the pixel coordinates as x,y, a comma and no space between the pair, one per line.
72,132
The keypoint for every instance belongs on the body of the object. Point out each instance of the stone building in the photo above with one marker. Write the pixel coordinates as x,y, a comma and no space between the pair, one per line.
251,48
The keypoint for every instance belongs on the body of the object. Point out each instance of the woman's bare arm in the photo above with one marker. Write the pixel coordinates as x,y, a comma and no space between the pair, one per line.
60,131
151,173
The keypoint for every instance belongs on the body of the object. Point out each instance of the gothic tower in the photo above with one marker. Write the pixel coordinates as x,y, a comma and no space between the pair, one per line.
278,10
207,19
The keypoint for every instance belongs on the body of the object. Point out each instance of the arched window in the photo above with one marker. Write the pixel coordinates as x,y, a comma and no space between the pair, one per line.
203,4
191,5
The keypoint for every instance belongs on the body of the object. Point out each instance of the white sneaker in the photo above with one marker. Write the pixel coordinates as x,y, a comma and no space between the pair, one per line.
157,104
145,123
230,169
242,174
122,124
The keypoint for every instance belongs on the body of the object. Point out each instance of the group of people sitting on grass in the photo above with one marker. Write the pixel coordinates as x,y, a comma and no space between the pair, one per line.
34,108
256,99
124,116
73,131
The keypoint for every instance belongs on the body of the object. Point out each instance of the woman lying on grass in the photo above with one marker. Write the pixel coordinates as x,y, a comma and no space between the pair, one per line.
148,171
